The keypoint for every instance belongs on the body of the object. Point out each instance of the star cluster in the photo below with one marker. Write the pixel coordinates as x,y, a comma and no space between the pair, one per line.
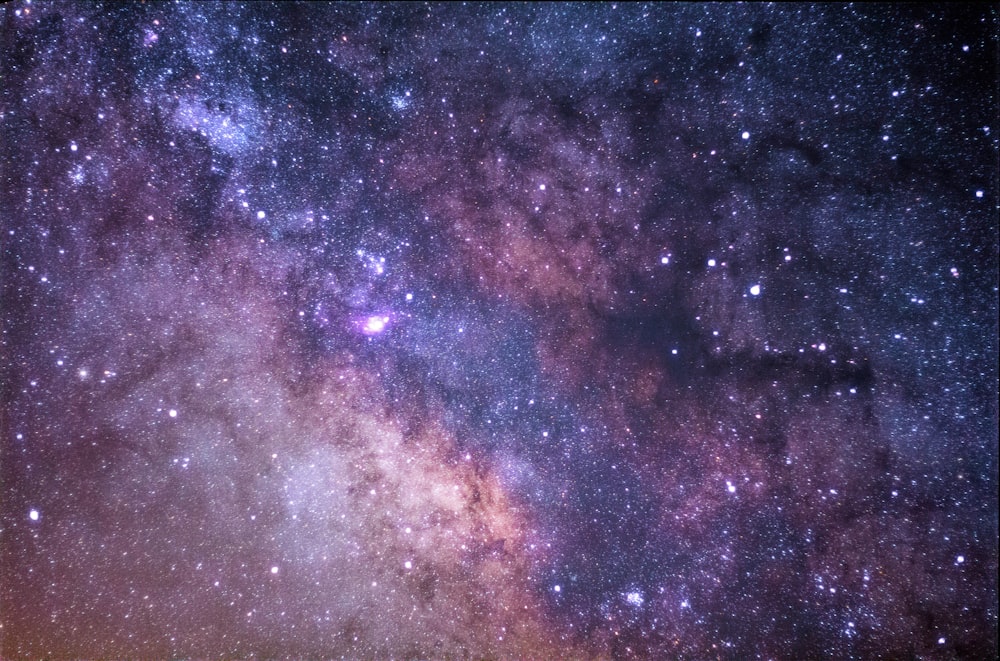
498,331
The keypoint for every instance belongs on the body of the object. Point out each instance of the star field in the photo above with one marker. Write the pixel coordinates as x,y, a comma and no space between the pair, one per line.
514,331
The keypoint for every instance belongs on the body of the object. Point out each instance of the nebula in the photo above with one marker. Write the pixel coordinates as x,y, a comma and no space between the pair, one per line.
555,331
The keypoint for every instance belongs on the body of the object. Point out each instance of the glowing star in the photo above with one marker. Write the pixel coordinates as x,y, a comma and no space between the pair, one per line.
374,324
755,290
33,515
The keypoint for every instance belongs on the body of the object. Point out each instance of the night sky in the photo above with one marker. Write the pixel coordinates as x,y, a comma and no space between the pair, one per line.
498,331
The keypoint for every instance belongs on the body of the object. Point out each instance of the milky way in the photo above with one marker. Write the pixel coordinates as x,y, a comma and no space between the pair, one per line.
498,331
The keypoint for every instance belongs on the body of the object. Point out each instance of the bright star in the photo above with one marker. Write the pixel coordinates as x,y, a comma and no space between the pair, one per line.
375,324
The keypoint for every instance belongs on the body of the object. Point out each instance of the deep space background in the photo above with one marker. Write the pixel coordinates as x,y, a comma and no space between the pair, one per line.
498,331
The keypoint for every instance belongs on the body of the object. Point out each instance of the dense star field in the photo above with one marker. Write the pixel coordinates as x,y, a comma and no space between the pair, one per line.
498,331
